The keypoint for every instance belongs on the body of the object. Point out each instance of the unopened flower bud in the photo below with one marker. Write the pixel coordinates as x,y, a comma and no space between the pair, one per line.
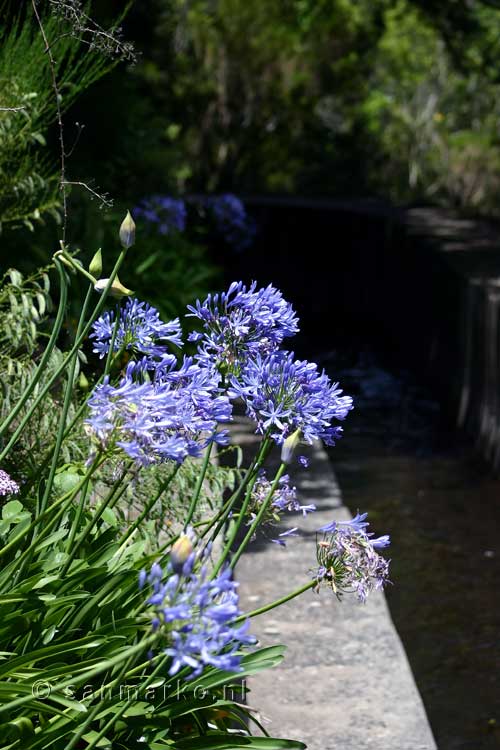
95,267
117,288
180,553
127,231
289,446
83,383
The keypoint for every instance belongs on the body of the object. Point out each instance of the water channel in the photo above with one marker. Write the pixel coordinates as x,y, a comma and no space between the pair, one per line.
422,483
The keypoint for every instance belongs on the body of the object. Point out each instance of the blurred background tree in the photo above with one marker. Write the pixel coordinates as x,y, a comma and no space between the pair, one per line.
398,100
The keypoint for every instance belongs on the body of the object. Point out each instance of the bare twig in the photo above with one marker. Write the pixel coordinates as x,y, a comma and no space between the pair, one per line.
57,95
88,31
12,109
103,198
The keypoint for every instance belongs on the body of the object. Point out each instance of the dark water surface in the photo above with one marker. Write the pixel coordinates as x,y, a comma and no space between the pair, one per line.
421,483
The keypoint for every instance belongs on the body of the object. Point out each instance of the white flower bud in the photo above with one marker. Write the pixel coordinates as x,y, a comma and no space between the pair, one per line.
117,288
127,231
289,446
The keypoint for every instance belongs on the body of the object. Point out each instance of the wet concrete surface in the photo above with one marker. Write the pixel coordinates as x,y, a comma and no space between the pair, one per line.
345,683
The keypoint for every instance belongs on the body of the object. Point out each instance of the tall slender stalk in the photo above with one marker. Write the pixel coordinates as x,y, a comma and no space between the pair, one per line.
56,329
131,529
199,483
276,602
258,517
68,395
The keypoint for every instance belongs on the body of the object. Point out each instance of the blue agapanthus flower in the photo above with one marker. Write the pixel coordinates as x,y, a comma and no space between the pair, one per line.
196,615
348,560
283,394
241,322
167,214
170,415
140,330
232,220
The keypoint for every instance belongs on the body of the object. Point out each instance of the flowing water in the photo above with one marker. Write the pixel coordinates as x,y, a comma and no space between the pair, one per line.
421,483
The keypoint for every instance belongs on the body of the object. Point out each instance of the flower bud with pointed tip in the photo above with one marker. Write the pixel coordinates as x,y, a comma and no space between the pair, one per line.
127,231
95,267
180,553
83,383
289,446
117,288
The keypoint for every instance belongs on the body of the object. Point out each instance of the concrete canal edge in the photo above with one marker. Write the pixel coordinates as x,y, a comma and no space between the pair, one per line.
345,682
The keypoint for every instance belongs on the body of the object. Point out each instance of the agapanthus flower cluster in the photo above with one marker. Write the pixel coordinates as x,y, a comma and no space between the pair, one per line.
241,322
167,415
284,395
348,561
284,500
7,485
166,213
196,615
140,330
232,220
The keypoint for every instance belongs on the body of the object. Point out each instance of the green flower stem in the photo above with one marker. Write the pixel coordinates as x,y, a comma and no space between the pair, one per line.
68,395
84,677
25,558
250,476
110,357
77,543
237,525
149,505
48,385
277,602
81,505
258,517
197,491
70,261
47,353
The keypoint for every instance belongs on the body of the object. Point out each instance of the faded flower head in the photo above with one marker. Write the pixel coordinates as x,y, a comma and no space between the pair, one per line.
195,615
348,561
7,485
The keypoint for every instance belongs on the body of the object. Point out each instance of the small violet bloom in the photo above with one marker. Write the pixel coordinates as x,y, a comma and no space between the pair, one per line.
7,485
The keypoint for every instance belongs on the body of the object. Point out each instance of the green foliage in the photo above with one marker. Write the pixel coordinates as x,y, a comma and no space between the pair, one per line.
29,182
434,127
25,306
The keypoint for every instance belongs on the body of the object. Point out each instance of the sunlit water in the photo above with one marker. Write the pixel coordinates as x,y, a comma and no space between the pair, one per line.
421,483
